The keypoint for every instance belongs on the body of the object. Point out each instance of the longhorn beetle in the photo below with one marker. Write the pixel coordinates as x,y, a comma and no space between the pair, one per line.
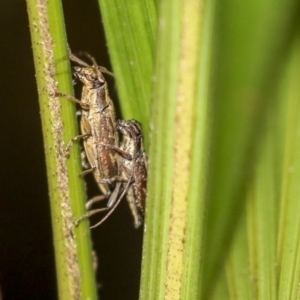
132,172
98,125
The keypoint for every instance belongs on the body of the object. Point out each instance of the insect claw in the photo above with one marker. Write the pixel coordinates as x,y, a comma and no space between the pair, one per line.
76,223
66,154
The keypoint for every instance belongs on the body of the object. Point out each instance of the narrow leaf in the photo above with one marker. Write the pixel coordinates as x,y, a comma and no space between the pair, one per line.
73,253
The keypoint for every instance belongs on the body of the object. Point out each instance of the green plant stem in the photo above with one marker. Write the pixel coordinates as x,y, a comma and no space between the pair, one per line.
130,29
166,268
201,136
75,274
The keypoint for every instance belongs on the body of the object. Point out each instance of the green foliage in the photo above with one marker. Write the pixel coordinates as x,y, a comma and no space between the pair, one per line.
215,85
235,177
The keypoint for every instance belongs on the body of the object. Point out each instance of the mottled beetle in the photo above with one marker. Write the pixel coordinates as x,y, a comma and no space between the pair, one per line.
132,172
98,125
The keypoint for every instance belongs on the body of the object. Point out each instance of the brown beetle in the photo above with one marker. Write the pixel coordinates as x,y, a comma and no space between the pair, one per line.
132,172
98,125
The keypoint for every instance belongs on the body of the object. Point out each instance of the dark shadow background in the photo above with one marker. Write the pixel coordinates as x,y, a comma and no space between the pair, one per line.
26,248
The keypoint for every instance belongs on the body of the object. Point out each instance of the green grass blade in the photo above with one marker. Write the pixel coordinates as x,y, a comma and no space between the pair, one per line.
161,155
130,29
238,273
262,218
176,119
251,267
289,242
59,126
163,113
195,230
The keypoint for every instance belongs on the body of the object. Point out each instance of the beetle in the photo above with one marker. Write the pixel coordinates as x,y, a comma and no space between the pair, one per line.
132,172
97,124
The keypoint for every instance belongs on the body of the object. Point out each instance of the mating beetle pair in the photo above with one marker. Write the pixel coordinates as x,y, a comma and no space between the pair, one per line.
119,168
